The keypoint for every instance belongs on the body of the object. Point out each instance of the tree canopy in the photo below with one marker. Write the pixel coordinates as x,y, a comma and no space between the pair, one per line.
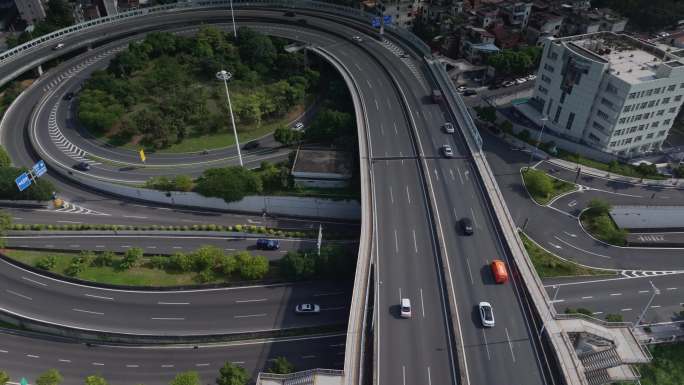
231,374
229,183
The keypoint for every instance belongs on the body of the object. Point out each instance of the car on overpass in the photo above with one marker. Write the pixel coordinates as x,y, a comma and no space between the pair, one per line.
466,225
486,314
449,128
307,308
447,151
499,271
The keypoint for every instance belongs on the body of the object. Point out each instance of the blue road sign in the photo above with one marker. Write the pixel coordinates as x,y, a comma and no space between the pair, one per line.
23,381
23,181
388,19
375,22
39,169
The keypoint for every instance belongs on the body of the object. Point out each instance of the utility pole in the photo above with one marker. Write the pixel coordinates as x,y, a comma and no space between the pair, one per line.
225,75
656,291
320,238
536,147
232,15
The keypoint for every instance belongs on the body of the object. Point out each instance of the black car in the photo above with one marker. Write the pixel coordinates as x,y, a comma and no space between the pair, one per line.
289,14
267,244
466,226
68,96
82,166
469,93
251,145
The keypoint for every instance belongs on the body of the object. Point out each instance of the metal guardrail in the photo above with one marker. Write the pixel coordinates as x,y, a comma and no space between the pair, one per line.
298,375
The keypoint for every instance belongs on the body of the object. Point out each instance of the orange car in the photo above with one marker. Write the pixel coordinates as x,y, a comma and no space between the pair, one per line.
499,271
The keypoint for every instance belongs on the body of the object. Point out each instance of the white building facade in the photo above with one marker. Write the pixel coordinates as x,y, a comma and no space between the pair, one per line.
31,11
609,91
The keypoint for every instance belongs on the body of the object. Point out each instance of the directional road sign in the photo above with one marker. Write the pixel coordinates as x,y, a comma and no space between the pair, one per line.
388,19
23,381
375,22
23,181
39,169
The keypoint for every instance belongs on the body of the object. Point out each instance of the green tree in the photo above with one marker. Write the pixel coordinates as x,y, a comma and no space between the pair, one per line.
131,258
181,262
187,378
295,265
281,365
5,160
5,224
488,114
205,257
538,183
183,182
229,183
599,206
287,136
251,267
95,380
40,190
231,374
4,377
49,377
273,178
330,124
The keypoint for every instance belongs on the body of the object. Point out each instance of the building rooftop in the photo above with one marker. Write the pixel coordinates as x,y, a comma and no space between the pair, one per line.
630,59
323,162
648,217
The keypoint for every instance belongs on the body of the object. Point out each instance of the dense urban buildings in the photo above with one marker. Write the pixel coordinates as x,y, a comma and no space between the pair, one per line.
31,11
609,91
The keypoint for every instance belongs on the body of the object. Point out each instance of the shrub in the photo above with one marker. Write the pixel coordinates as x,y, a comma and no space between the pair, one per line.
614,317
226,264
252,267
104,259
159,262
131,258
205,276
47,262
204,258
181,262
238,228
76,267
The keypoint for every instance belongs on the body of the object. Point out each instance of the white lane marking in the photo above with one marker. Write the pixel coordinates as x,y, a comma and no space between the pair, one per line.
99,246
644,291
391,195
36,282
250,315
582,250
655,306
626,309
474,219
251,300
396,242
177,247
403,373
19,295
408,195
369,84
203,364
615,294
451,172
173,303
328,294
429,378
588,297
32,356
99,297
87,311
168,318
484,335
510,345
396,131
470,274
74,222
671,288
377,106
415,242
400,297
132,366
126,246
422,305
63,360
460,176
98,364
557,301
167,366
436,175
134,217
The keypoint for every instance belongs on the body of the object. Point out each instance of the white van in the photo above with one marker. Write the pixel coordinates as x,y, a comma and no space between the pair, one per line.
405,308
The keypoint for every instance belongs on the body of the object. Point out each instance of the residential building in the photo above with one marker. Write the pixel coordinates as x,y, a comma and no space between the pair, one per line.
608,91
516,13
108,7
476,44
487,16
31,11
580,22
542,25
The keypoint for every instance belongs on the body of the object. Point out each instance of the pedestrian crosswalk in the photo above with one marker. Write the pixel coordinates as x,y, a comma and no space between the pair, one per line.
71,208
647,273
406,59
73,71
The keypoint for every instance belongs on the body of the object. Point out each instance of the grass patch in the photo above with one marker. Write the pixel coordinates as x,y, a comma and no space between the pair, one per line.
613,167
667,367
597,221
142,275
548,265
544,188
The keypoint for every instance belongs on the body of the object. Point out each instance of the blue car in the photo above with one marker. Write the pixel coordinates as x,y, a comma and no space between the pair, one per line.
267,244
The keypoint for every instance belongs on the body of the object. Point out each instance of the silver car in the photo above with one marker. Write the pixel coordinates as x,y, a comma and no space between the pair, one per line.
307,308
447,151
486,314
449,128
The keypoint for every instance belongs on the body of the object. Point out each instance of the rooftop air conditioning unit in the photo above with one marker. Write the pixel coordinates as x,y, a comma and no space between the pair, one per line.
631,55
629,70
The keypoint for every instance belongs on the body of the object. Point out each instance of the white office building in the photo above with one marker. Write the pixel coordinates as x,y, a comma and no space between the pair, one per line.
31,11
608,91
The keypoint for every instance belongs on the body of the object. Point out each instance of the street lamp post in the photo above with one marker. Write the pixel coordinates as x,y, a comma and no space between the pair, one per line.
232,16
656,291
536,147
225,75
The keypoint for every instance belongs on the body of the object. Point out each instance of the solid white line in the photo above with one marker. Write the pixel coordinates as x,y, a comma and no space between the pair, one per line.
588,297
377,106
132,366
474,219
557,301
391,195
615,294
168,318
88,311
429,379
63,360
251,300
408,195
484,335
396,241
3,351
36,282
643,291
582,250
75,222
626,309
205,364
19,295
510,345
403,373
415,242
98,364
134,217
422,305
655,306
396,131
671,288
173,303
99,297
32,356
250,315
470,273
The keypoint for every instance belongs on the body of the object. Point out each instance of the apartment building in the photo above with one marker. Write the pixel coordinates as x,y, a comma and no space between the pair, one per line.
31,11
609,91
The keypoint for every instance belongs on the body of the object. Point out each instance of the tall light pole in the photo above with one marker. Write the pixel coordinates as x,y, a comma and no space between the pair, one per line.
232,16
225,75
536,147
656,291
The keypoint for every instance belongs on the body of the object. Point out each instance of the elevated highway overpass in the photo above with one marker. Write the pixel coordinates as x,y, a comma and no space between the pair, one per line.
412,201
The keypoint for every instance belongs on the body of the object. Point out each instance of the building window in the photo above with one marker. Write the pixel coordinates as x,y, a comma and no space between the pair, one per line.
666,122
603,115
622,120
607,102
598,127
543,90
661,133
643,105
655,124
641,127
627,108
651,103
649,136
672,110
671,88
549,68
558,112
649,92
637,139
633,95
612,144
678,98
646,115
637,117
611,89
571,118
552,55
656,91
666,100
681,85
593,137
660,112
546,79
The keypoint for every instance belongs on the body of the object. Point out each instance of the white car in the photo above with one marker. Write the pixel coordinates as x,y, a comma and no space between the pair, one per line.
299,126
449,128
357,39
531,77
58,46
461,89
486,314
520,80
307,308
508,83
447,151
405,306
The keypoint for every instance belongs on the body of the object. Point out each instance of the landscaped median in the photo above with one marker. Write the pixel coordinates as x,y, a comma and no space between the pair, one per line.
544,188
597,222
548,265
